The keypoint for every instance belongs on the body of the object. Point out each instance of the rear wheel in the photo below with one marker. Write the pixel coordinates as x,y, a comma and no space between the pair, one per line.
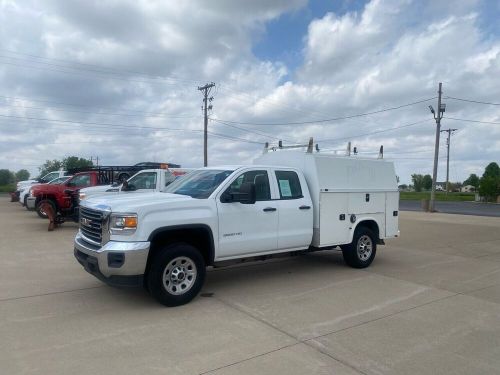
361,251
39,210
176,275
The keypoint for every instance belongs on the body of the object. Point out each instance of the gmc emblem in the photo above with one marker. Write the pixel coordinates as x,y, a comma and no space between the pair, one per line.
86,222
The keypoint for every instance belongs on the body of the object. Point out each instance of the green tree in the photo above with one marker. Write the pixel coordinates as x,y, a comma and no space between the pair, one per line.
418,181
472,180
22,175
72,162
427,182
6,177
50,166
489,184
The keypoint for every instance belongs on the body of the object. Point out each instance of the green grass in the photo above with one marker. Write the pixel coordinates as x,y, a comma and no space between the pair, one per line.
440,196
7,188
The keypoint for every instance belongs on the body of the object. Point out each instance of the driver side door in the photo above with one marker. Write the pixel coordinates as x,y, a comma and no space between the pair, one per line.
248,229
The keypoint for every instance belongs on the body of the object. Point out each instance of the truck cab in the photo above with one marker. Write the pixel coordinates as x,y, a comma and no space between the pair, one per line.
147,180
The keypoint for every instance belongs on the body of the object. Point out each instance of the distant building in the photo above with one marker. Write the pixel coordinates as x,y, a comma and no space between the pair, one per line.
467,189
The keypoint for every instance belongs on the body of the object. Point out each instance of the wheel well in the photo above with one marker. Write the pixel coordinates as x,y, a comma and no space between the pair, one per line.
198,236
372,225
46,197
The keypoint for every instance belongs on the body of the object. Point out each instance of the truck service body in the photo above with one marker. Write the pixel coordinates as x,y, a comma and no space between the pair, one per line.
286,202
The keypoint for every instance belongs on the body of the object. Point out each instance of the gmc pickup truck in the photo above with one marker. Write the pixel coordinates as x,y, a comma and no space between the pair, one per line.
287,202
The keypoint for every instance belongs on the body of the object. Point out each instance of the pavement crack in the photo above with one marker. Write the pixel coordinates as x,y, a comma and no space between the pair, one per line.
50,293
249,358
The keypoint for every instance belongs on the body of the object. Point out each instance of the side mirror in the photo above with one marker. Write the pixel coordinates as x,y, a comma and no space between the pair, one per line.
68,192
246,195
69,183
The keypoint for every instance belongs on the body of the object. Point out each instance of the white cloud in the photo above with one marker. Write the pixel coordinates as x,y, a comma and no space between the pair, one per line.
389,53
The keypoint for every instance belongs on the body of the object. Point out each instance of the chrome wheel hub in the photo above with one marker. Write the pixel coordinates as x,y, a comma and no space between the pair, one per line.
364,248
179,275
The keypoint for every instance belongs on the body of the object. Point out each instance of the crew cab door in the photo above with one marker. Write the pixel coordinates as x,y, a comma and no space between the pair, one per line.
247,229
295,228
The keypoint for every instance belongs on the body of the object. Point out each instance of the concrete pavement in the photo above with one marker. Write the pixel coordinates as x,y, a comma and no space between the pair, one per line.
430,303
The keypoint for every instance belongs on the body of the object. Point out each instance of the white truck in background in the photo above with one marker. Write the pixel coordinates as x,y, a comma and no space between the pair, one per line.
145,181
287,202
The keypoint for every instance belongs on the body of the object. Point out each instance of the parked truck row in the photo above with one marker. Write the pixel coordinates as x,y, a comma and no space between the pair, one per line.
162,227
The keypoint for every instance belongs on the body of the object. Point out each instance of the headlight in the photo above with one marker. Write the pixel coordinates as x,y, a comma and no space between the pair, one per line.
82,196
31,193
123,223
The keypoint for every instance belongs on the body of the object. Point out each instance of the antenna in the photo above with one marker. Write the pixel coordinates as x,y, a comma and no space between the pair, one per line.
381,152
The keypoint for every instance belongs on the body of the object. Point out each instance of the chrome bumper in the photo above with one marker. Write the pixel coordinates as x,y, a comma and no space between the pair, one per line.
30,203
113,259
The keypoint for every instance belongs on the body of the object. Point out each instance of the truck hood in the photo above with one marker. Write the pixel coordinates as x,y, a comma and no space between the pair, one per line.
131,202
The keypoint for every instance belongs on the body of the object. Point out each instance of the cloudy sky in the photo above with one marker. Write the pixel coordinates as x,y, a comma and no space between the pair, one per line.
118,79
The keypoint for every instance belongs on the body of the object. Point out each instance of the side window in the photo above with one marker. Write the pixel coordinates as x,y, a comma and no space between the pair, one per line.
289,185
259,178
82,180
146,180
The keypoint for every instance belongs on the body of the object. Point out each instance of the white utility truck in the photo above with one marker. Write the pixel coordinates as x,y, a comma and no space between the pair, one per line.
145,181
287,202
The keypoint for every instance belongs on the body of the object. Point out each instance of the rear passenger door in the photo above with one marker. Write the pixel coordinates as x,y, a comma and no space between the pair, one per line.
295,222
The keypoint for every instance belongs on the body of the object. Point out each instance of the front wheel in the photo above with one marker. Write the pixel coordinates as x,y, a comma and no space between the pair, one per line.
361,251
176,275
40,211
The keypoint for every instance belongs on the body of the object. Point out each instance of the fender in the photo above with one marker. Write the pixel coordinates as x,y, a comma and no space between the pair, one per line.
364,220
174,228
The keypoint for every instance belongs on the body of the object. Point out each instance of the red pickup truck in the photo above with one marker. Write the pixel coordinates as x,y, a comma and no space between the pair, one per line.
62,197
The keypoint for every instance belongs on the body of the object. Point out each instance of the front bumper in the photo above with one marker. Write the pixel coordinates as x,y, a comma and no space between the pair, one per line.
30,203
116,263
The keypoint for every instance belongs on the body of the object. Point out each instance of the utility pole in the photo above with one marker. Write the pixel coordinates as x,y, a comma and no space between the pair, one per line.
441,108
449,131
206,91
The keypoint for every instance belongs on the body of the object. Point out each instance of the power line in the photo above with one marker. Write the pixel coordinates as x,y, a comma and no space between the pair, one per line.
374,132
87,66
267,135
328,119
468,120
102,113
470,100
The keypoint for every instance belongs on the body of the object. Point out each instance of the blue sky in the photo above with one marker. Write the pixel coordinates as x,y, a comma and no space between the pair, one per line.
283,39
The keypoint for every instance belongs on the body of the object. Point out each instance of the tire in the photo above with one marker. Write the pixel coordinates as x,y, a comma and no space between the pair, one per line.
168,277
40,212
361,251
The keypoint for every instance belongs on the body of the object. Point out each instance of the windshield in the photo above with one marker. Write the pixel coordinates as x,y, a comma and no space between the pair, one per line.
59,180
198,184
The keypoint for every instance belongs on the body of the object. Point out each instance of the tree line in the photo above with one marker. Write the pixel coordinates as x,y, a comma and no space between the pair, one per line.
8,177
488,185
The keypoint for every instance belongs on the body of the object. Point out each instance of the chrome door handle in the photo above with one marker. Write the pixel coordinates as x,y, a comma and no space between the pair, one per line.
269,209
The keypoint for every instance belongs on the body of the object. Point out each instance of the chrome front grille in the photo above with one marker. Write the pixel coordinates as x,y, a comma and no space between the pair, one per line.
92,225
